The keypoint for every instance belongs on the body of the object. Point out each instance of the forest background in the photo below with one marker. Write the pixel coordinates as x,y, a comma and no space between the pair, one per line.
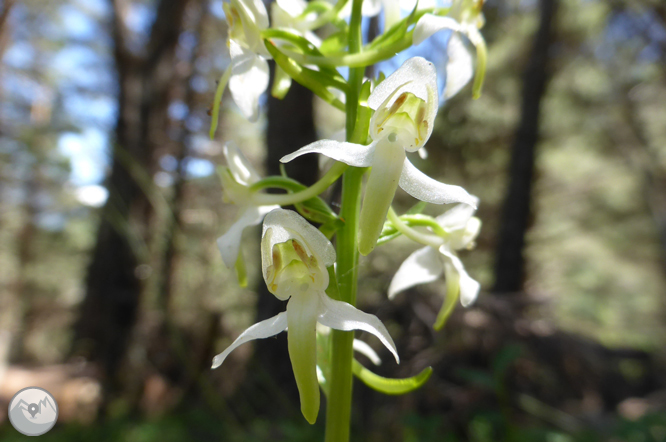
113,295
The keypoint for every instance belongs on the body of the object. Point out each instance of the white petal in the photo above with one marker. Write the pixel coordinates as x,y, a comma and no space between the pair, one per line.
260,330
240,167
256,8
430,24
249,79
371,8
342,316
282,225
349,153
469,288
423,153
421,267
392,12
417,76
292,7
366,351
229,243
459,67
422,187
457,216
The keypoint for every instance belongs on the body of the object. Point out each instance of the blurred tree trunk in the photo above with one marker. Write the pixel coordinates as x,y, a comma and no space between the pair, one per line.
290,126
516,211
114,280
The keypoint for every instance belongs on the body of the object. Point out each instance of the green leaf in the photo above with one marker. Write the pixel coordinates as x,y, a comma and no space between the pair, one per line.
387,385
317,82
304,46
334,43
281,83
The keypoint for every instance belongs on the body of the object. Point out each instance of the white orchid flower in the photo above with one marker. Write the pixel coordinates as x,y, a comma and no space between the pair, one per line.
249,73
236,179
405,106
294,257
288,14
428,263
465,19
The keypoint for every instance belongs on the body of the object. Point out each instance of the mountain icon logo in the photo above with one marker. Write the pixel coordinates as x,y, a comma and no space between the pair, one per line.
33,411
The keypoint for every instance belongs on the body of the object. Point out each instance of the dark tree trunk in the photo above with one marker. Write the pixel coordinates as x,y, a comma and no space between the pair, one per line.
510,262
290,126
114,285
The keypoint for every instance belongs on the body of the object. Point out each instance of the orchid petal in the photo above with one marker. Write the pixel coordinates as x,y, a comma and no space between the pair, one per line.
349,153
342,316
421,267
229,243
417,76
260,330
430,24
457,216
382,184
460,66
302,315
249,79
366,351
282,225
239,166
468,287
422,187
292,7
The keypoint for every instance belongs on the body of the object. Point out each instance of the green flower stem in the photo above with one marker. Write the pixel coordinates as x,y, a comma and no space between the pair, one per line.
266,199
338,410
415,235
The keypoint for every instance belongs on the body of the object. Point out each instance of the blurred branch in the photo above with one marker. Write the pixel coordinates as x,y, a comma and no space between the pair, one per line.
510,262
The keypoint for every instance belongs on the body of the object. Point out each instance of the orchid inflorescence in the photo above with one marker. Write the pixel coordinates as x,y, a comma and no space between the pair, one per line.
387,118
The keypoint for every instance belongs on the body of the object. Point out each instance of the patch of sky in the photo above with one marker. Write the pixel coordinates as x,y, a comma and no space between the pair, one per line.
76,23
169,163
53,221
187,40
95,8
199,84
177,110
20,88
215,8
19,55
88,155
75,64
91,110
198,167
194,123
203,65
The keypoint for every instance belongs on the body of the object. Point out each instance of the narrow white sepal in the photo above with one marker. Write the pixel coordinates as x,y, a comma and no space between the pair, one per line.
422,187
457,216
460,66
240,167
469,288
349,153
343,316
421,267
260,330
366,351
229,243
249,79
430,24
